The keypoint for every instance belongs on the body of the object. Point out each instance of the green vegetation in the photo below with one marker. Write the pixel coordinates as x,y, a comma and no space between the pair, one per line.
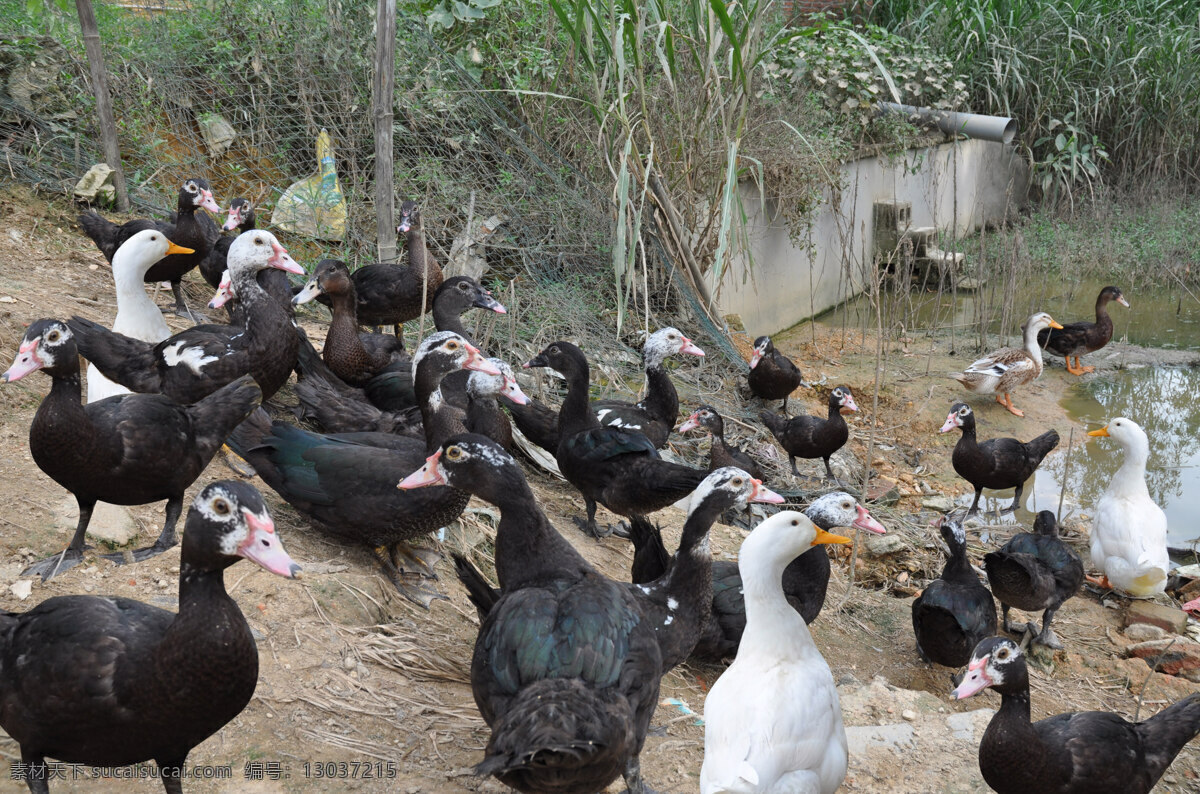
1115,75
1151,236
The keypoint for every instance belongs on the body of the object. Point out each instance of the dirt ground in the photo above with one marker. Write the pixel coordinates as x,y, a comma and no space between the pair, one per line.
356,681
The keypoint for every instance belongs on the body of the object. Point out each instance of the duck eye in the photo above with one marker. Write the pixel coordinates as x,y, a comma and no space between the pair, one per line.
795,523
53,336
462,286
1002,654
737,482
220,507
554,349
452,345
454,453
258,241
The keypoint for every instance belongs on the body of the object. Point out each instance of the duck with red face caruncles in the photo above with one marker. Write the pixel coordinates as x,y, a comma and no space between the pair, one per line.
999,463
615,467
130,449
805,579
721,453
108,681
1081,752
185,231
568,712
198,361
811,436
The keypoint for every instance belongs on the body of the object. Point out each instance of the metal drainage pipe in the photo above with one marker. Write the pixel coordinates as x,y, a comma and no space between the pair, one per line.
1000,129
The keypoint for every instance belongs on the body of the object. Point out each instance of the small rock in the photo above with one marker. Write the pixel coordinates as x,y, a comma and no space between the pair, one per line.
938,502
883,545
1170,619
163,583
350,663
21,588
1144,632
909,714
1173,657
883,494
88,587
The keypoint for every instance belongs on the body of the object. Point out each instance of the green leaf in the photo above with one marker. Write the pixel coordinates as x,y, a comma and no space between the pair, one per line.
440,16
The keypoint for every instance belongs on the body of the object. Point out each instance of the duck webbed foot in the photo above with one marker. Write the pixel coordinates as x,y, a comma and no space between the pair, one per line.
166,539
634,783
414,559
415,587
237,463
590,527
1008,404
56,564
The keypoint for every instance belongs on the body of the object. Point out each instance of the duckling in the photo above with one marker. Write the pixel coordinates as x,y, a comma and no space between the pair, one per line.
1081,752
1009,368
721,453
1076,339
1035,571
772,721
1129,530
999,463
811,436
955,611
772,376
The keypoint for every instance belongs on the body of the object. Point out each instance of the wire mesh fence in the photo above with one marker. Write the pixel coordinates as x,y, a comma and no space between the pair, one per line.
239,93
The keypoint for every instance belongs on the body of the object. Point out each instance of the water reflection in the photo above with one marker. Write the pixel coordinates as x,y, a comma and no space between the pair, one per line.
1163,316
1161,400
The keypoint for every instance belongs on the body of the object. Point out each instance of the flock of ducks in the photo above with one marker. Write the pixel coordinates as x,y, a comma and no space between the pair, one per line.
567,663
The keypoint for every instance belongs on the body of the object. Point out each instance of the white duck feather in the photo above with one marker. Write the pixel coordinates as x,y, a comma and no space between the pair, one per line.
773,722
1129,531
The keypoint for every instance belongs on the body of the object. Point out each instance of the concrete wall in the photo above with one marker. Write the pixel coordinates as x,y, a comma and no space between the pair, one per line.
956,186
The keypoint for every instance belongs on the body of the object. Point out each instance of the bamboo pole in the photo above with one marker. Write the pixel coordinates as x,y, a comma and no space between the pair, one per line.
108,126
383,87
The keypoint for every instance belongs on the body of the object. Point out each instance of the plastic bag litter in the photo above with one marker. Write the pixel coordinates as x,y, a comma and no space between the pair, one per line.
315,206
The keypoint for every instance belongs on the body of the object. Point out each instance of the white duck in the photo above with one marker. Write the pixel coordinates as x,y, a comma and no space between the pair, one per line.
1129,531
772,720
137,316
1000,372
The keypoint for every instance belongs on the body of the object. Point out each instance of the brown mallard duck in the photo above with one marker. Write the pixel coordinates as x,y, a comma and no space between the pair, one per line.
1079,338
1009,368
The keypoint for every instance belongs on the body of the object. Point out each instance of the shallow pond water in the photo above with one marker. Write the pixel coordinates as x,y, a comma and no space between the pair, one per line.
1165,401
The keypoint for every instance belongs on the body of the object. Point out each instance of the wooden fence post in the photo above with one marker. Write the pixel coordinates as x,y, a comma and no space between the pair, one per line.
383,86
108,127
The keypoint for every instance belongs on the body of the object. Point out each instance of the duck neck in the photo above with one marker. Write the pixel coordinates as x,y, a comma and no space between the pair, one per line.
529,549
1032,348
1102,309
447,316
197,586
575,415
689,580
771,622
835,412
343,326
1130,479
418,256
661,400
440,419
958,569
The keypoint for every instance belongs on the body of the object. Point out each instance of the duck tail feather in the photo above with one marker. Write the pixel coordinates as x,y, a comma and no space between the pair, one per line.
1040,447
1165,734
481,593
561,729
